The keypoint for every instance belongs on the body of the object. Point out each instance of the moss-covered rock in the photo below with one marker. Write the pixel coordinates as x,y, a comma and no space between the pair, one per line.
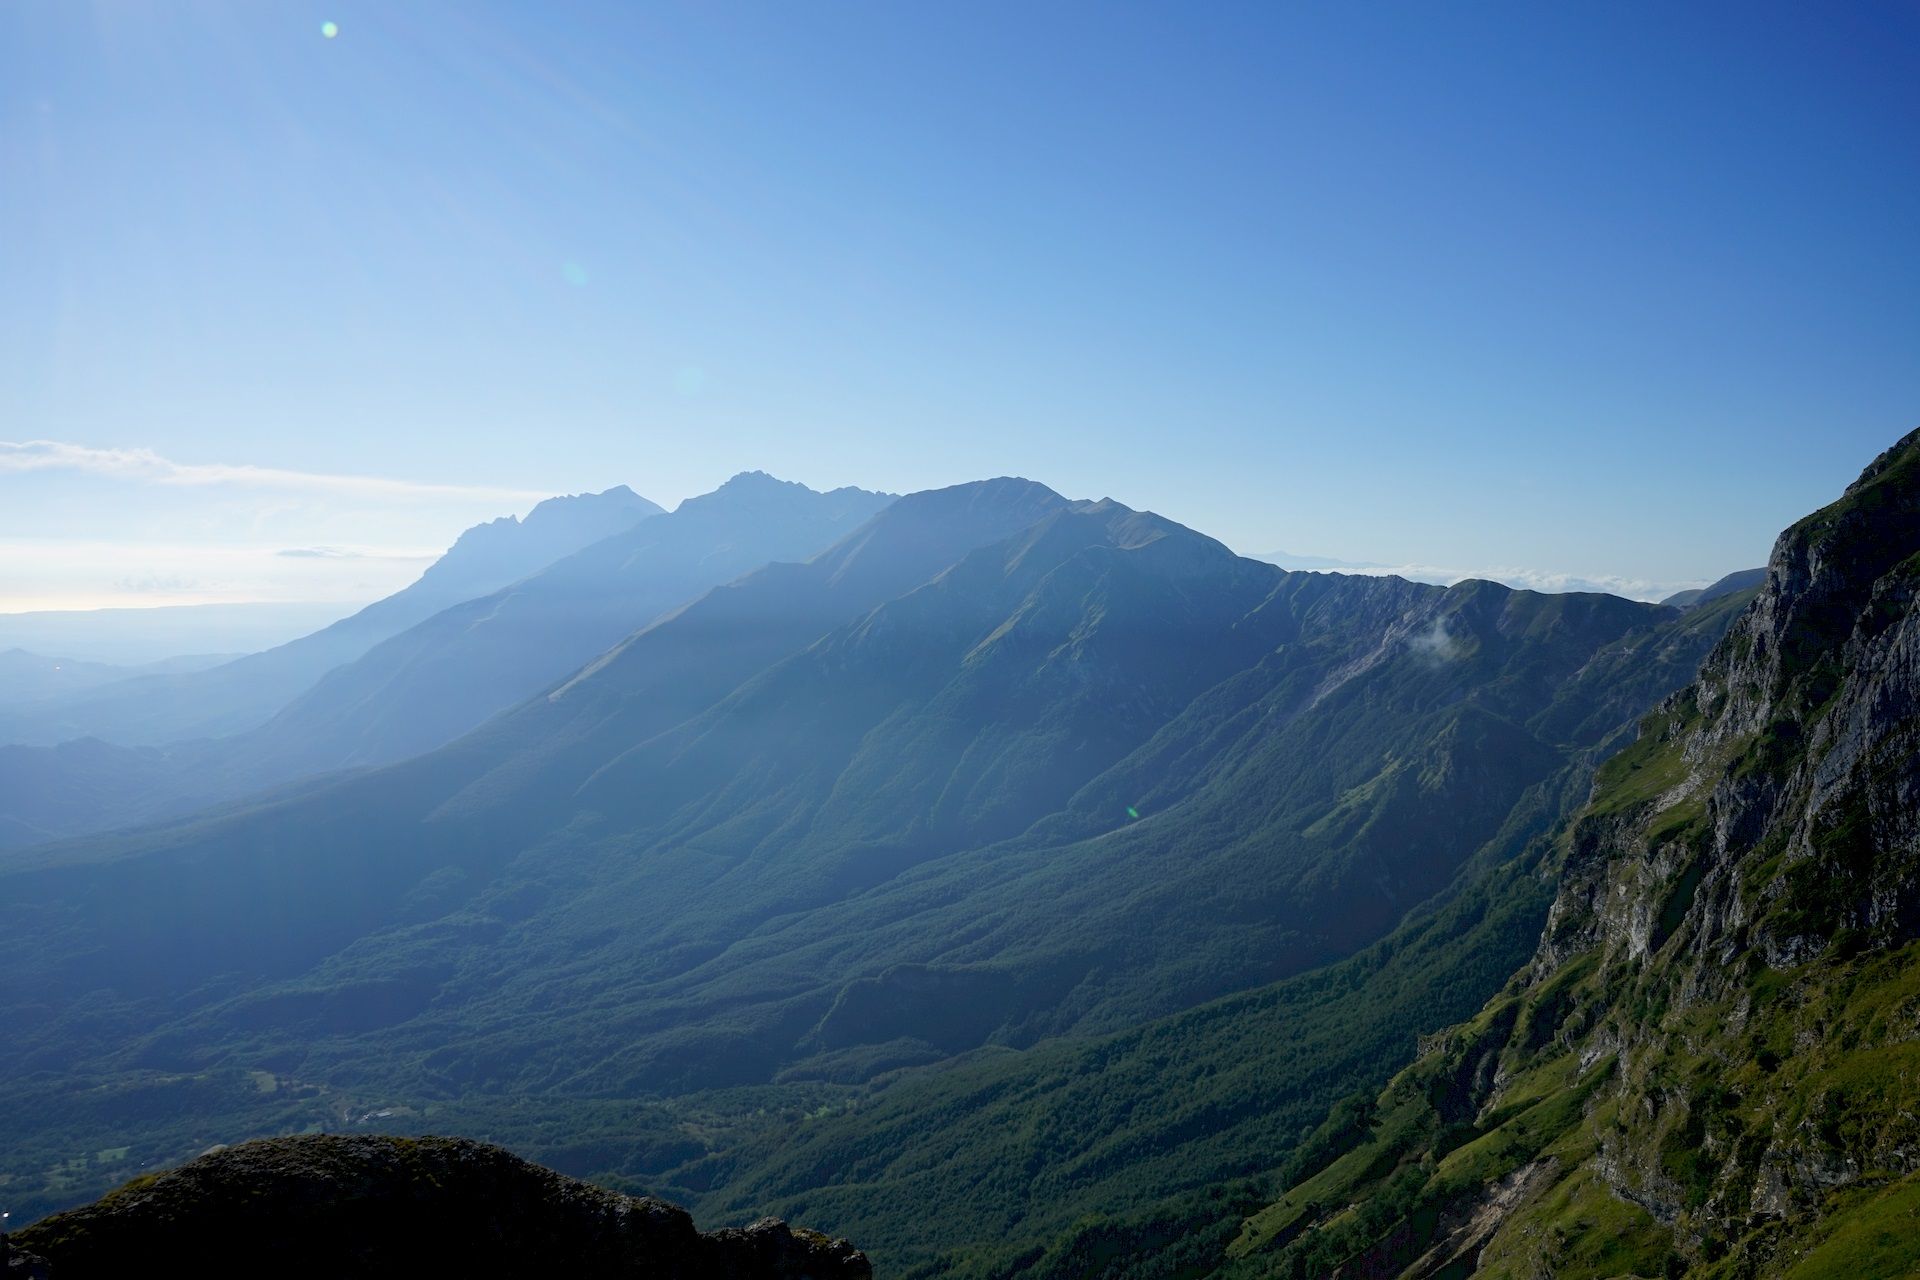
365,1206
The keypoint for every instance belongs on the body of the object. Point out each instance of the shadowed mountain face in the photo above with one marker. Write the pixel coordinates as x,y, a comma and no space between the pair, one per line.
326,1207
437,680
1151,1144
238,695
995,767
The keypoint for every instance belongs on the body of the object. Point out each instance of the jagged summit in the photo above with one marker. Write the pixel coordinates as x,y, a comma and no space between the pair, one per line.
568,522
760,492
757,483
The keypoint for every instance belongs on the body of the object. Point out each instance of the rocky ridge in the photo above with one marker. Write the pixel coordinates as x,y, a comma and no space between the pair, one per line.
1712,1065
366,1206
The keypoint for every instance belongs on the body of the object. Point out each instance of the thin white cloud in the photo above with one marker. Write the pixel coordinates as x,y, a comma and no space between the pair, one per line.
19,456
1436,643
353,553
70,573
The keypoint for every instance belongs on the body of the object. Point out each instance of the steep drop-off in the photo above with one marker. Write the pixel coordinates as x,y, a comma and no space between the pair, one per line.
1712,1064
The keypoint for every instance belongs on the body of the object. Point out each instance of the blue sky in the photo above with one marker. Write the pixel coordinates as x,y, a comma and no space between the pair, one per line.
1611,291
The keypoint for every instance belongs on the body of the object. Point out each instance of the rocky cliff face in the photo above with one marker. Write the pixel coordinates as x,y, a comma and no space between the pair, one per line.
1712,1065
334,1206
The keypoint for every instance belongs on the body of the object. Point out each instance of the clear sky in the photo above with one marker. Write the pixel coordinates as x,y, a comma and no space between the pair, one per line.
1606,290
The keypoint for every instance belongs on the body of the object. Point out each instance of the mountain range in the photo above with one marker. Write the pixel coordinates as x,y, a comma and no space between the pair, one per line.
139,636
34,677
238,695
1021,885
416,669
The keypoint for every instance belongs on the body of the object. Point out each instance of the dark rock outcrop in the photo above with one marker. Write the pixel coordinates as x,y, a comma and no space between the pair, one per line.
367,1206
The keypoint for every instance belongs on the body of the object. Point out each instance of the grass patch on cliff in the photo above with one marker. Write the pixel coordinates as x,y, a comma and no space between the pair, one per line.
1868,1232
1579,1230
1644,771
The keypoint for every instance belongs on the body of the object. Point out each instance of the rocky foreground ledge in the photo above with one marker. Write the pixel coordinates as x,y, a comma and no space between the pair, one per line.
367,1206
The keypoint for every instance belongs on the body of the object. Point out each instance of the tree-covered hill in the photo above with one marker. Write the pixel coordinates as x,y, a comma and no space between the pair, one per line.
1142,1151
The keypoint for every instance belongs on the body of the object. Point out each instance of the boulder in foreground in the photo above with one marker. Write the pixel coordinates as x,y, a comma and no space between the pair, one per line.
365,1206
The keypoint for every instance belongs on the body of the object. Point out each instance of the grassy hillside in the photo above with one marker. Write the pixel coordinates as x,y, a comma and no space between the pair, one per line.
1139,1153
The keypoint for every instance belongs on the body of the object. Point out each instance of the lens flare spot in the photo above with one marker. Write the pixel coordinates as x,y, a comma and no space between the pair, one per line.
690,380
329,29
1133,813
574,274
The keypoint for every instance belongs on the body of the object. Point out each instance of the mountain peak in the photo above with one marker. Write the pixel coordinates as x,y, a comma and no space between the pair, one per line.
757,479
750,490
1002,494
747,487
621,500
1874,521
555,527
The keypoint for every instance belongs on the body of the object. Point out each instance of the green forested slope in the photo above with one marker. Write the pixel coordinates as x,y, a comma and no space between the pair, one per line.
1139,1153
995,770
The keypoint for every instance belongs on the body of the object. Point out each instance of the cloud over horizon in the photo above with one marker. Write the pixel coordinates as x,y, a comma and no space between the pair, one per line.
20,456
352,553
90,527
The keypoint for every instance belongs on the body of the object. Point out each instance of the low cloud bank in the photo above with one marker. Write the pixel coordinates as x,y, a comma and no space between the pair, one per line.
146,465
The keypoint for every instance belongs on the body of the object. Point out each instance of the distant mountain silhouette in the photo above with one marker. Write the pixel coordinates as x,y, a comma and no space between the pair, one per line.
994,767
159,709
447,674
135,637
330,1207
1740,580
32,677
